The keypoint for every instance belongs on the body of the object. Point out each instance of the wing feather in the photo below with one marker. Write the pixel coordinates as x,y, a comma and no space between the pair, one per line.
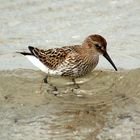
52,58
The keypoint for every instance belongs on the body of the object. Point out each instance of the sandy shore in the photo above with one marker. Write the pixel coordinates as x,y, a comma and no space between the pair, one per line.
106,107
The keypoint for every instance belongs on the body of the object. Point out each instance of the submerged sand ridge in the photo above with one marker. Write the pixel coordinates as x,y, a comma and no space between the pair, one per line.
107,106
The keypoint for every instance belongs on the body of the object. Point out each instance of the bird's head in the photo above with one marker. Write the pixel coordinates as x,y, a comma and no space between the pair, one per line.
98,44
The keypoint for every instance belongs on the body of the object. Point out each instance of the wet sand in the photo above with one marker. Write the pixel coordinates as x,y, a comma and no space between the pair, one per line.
52,23
106,107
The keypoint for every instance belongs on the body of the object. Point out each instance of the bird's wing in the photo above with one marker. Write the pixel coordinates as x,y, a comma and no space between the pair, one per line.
51,57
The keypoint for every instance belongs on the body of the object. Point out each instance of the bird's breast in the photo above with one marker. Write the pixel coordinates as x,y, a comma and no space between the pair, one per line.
89,64
79,66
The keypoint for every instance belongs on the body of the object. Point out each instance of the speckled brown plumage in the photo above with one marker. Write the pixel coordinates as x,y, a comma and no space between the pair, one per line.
72,61
51,58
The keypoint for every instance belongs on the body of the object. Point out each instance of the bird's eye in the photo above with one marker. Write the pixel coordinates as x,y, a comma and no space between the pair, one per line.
98,46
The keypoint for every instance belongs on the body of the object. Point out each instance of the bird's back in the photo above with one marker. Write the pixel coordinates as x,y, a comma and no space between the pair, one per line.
72,61
66,61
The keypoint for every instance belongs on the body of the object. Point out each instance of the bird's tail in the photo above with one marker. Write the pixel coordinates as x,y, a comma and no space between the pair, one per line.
24,53
27,53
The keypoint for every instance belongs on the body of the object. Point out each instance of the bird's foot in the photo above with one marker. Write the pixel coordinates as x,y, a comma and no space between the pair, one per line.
54,90
50,87
76,86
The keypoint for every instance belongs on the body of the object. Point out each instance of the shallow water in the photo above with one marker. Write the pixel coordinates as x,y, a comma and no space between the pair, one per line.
53,23
107,106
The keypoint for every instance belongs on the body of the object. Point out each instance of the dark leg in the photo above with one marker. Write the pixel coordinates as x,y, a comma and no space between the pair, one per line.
54,88
75,84
46,79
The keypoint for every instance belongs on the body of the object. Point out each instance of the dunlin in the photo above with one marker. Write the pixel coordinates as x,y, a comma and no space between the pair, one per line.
70,61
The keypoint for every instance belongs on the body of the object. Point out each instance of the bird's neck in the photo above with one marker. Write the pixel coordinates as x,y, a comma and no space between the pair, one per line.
87,49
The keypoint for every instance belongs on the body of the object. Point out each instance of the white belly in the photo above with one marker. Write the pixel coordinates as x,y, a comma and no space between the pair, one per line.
35,61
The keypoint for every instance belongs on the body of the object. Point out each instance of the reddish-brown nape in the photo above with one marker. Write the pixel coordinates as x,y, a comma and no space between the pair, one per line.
93,40
94,44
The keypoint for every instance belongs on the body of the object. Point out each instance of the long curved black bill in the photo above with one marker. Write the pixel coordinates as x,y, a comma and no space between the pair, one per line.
109,59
